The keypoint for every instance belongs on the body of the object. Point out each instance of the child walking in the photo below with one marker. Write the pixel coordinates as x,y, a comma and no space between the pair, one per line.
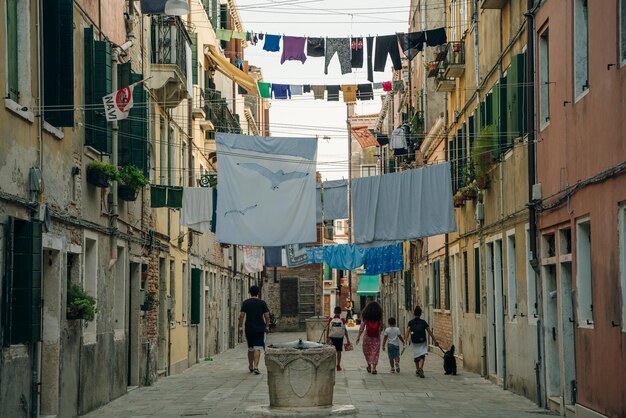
336,331
392,335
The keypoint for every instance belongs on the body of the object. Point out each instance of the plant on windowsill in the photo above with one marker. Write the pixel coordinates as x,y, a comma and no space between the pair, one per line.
470,192
458,199
482,156
131,180
79,304
100,173
150,301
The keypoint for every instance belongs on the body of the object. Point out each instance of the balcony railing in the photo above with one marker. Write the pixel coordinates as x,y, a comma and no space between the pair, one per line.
199,103
217,112
454,64
170,41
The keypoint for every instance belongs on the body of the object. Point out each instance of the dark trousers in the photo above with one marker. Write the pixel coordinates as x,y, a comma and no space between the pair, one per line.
387,44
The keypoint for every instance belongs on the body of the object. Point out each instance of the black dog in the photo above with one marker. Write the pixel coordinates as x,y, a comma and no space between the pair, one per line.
449,362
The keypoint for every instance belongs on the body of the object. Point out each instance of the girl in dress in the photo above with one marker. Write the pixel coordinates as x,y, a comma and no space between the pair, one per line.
372,325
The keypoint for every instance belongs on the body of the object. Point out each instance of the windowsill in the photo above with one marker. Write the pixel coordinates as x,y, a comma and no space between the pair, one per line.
581,95
56,132
586,326
16,108
543,126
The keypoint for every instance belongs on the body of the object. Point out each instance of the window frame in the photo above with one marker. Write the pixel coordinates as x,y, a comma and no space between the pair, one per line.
512,285
584,322
544,84
621,24
585,88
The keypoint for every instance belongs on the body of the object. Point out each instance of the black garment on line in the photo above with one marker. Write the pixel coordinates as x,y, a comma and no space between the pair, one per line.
306,88
387,44
333,93
356,48
370,49
412,43
315,47
382,139
436,37
364,92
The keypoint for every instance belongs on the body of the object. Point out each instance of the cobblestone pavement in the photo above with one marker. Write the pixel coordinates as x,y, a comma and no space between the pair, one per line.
223,387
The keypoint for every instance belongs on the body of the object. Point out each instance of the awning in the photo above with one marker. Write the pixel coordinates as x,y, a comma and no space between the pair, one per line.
365,138
368,285
224,66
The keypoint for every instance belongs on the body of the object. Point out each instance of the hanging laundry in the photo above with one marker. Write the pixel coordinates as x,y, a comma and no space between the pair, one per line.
274,256
223,34
398,138
387,45
377,86
296,255
272,43
296,89
158,196
335,205
306,88
381,260
195,212
370,50
315,47
214,211
356,50
387,86
266,190
293,49
344,257
382,139
253,259
436,37
341,46
365,92
398,86
261,36
333,93
318,91
174,197
265,90
240,35
412,43
349,93
281,91
403,206
315,255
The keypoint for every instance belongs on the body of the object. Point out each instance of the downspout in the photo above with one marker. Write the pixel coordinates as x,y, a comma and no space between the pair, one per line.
446,259
501,170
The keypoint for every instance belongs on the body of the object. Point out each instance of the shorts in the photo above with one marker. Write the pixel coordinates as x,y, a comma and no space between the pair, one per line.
338,343
393,351
256,340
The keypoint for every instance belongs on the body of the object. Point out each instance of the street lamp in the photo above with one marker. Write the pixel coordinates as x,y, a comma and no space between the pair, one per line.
176,7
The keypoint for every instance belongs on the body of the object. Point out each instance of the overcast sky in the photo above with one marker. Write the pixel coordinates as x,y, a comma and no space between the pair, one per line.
303,116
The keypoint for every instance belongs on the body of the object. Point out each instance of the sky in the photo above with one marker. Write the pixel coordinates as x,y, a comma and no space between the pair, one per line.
304,116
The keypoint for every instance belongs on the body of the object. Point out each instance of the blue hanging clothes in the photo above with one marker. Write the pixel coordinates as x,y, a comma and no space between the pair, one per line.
281,91
273,257
344,257
315,255
272,43
387,259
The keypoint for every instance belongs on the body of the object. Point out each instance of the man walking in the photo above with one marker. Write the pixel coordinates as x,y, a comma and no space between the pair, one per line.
257,316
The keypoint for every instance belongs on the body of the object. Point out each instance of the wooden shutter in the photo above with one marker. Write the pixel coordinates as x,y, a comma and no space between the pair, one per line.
471,133
196,291
289,296
22,291
505,139
89,67
516,92
102,133
477,298
12,56
133,131
58,55
194,56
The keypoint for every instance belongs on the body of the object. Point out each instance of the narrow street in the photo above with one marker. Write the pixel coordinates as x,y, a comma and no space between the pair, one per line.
224,388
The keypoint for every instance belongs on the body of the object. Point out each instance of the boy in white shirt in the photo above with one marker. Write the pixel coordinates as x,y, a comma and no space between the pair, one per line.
392,335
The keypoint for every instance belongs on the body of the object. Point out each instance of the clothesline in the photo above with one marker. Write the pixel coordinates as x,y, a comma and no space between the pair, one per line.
351,92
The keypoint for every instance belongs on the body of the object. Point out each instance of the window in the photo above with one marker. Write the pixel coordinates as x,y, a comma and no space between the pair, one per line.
185,295
544,79
133,131
466,280
622,260
511,258
435,273
369,170
622,29
288,296
531,282
446,283
58,61
584,283
453,19
170,157
162,152
581,47
183,170
90,282
172,290
196,289
12,48
477,296
119,306
463,13
98,83
408,291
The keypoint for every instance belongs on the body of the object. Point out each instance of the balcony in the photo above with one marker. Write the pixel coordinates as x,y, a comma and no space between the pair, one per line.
454,64
218,113
198,108
445,85
170,45
493,4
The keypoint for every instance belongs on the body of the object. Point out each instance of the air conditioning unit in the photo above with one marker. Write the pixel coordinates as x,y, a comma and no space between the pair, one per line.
480,212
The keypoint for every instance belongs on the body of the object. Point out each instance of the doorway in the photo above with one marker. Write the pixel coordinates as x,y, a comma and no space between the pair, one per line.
455,301
133,324
52,279
495,308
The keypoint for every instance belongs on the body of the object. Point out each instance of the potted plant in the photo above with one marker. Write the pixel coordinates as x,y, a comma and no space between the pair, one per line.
150,301
131,180
458,199
100,173
482,156
79,304
470,192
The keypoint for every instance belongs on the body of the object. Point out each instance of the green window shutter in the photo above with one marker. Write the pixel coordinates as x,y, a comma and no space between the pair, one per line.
133,131
102,86
58,56
22,292
196,286
194,56
477,296
505,138
89,67
488,109
12,56
521,93
495,118
392,165
516,90
471,133
482,113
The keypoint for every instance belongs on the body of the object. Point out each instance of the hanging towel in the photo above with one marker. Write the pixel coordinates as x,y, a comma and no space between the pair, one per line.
240,35
174,197
272,43
296,255
315,47
223,34
158,196
296,89
265,90
318,92
274,256
412,43
281,91
365,92
387,86
377,86
293,49
335,204
333,93
403,206
398,86
315,255
349,93
253,259
197,208
436,37
387,259
344,257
